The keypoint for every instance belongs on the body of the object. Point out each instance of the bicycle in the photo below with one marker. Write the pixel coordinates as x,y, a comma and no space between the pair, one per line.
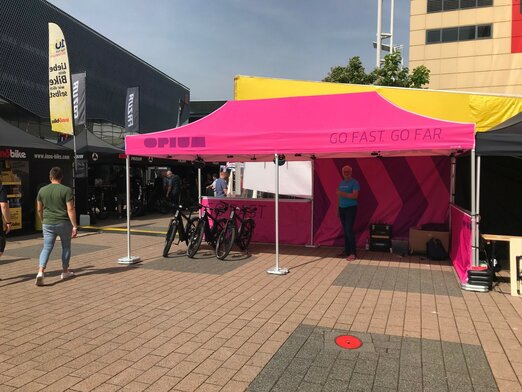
231,233
176,227
203,228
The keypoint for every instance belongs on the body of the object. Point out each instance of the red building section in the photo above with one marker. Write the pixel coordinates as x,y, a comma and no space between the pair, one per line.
516,27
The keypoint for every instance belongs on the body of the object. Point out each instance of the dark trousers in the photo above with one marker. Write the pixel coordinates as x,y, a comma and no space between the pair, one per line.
347,216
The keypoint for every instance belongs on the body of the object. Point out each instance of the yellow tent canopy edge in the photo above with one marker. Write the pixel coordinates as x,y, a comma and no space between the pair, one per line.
485,110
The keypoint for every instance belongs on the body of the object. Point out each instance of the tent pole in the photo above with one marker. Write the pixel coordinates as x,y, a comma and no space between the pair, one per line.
311,245
199,184
199,190
129,259
452,184
477,216
473,209
75,165
277,270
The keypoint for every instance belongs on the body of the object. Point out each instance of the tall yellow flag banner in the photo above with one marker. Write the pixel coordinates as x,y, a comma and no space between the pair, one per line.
60,104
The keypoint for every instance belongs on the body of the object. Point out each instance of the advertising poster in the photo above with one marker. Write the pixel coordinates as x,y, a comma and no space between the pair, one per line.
59,83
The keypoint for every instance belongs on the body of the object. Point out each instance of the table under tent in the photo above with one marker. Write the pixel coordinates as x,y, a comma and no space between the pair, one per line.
358,125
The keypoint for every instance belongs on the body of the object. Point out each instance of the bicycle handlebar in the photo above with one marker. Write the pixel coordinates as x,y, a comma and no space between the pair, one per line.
220,208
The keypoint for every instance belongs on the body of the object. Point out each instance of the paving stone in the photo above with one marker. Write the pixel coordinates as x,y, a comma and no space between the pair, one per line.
366,366
33,251
409,386
202,263
332,385
209,309
361,382
317,375
342,369
410,373
299,365
458,382
288,382
310,387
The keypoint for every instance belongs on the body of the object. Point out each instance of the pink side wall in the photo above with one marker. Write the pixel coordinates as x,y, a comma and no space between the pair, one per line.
404,192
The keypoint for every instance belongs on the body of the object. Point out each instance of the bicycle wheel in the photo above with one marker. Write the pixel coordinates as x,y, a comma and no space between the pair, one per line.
195,239
218,227
190,228
169,238
245,234
225,241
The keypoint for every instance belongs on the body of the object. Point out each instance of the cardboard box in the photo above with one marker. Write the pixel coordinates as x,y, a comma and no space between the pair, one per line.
418,239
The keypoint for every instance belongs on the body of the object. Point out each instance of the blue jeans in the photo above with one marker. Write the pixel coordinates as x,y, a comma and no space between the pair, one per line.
347,216
50,232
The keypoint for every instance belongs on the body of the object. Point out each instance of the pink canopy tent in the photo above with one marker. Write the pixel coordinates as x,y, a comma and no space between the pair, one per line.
303,128
327,126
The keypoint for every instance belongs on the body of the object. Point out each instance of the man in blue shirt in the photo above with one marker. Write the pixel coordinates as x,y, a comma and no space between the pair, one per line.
348,192
220,185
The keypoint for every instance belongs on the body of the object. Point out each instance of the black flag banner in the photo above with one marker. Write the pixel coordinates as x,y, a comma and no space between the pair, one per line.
132,110
78,94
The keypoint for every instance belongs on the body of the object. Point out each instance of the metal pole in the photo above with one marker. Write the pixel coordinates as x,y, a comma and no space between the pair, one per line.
129,259
311,245
379,33
473,208
392,6
199,190
75,165
277,270
127,190
477,219
452,184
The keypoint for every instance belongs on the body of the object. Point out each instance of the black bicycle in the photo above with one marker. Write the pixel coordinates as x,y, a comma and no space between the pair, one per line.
176,226
203,228
231,233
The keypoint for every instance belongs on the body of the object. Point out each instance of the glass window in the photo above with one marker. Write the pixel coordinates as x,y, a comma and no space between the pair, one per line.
433,36
468,3
467,33
484,31
484,3
450,34
450,5
434,5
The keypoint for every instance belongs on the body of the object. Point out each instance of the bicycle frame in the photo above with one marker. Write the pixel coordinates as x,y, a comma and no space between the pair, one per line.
183,232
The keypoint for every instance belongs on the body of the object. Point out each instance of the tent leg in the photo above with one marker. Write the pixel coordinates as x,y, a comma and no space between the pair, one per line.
276,270
477,215
473,210
128,259
311,244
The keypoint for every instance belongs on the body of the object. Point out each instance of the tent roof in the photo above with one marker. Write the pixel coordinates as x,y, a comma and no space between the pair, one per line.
503,140
326,126
11,136
484,110
88,142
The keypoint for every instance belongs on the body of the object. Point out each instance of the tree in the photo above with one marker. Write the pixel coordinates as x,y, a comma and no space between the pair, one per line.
391,73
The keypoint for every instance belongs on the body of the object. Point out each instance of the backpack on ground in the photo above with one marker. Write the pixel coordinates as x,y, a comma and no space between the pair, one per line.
435,250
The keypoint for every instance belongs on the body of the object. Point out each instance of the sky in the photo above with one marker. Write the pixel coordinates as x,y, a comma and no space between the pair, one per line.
203,44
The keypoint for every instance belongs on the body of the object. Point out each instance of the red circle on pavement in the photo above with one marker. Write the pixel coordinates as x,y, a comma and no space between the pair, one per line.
348,341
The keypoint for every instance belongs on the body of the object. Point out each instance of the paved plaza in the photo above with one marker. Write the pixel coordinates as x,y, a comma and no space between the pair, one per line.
207,325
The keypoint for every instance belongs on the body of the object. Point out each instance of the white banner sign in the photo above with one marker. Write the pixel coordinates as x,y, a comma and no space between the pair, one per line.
295,177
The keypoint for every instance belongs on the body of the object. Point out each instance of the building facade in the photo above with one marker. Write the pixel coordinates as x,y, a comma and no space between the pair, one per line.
468,45
109,68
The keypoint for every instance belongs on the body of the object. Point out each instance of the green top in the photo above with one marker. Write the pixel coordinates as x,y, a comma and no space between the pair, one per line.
54,198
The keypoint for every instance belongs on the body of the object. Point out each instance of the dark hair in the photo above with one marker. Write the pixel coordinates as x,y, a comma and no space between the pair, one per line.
56,173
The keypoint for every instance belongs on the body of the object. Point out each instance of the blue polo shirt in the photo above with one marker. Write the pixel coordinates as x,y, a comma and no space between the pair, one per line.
348,186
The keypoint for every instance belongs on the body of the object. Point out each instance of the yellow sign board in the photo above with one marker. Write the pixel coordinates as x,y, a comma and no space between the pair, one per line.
60,103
